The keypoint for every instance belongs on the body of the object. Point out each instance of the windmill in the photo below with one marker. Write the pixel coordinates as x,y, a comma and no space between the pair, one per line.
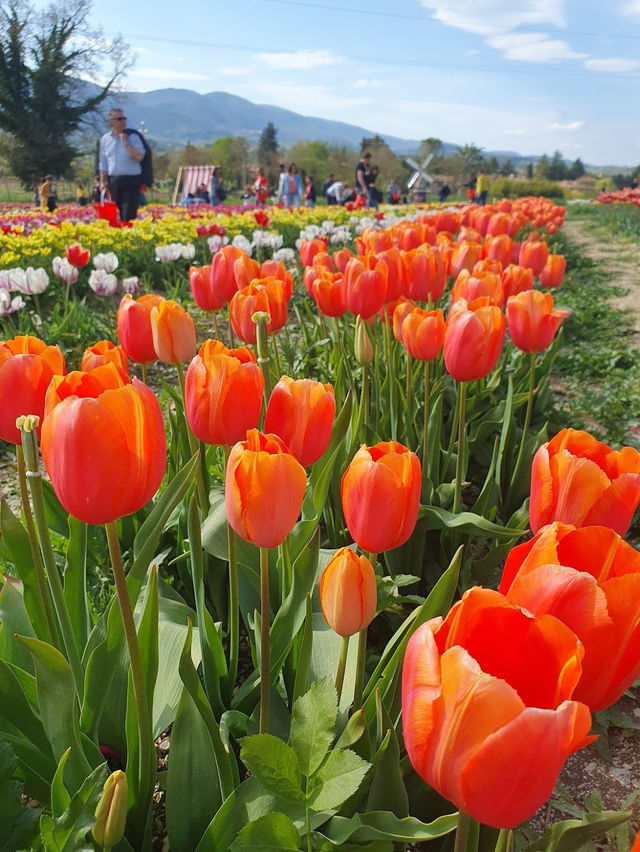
419,181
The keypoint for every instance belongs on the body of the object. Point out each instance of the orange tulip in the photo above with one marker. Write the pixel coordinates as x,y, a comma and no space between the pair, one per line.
310,248
498,247
401,310
532,320
578,480
302,413
473,339
388,475
328,292
134,327
423,333
245,269
263,294
516,279
554,270
534,254
264,489
276,269
83,384
27,365
465,254
424,274
105,352
348,592
105,448
487,718
392,259
470,287
201,284
341,258
174,334
223,393
365,289
589,578
223,281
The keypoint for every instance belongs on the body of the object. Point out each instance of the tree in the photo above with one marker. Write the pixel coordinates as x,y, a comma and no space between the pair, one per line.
469,160
576,169
557,167
267,152
430,145
231,154
507,169
492,166
542,167
45,60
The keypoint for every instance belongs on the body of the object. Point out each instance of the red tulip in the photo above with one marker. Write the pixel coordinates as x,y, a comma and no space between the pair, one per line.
532,320
245,270
348,592
341,258
487,718
516,279
310,248
388,475
392,259
424,274
423,333
589,578
554,270
473,339
77,256
27,365
328,292
302,413
174,333
534,254
264,488
223,281
104,448
365,289
201,284
134,327
276,269
105,352
578,480
223,393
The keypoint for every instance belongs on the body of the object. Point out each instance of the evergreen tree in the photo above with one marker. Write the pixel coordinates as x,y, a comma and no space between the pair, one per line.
507,168
557,167
542,167
43,101
267,152
576,169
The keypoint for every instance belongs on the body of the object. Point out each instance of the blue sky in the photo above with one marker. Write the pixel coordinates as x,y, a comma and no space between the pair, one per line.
530,76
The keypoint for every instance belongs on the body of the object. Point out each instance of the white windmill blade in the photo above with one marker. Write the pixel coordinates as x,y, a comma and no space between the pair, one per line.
427,161
412,164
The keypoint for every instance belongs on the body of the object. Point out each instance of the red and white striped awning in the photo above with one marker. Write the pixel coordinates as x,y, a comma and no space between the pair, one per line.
193,176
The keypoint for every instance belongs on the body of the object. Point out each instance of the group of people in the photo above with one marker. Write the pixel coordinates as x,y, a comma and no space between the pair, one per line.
45,194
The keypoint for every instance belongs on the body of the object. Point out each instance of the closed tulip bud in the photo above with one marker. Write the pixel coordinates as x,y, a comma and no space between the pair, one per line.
302,413
401,310
589,578
223,393
105,352
134,327
348,592
174,333
328,293
223,281
533,255
516,279
498,248
532,320
473,339
111,811
388,475
424,274
264,489
365,289
341,258
579,480
27,366
103,444
554,270
486,698
201,284
362,344
423,333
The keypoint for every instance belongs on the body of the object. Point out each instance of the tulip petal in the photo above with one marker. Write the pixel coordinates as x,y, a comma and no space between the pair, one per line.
617,504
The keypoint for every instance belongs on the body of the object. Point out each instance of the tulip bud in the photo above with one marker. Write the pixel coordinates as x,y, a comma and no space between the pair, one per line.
111,812
348,592
363,347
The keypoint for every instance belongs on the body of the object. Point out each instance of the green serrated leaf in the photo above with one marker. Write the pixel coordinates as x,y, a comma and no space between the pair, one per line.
274,764
313,723
269,833
338,778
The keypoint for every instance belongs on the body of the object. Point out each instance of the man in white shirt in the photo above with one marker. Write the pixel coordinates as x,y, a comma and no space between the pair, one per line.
121,155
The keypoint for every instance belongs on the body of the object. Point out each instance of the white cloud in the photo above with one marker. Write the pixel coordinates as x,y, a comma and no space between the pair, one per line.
308,100
613,65
167,74
632,9
571,126
300,60
532,47
363,83
490,16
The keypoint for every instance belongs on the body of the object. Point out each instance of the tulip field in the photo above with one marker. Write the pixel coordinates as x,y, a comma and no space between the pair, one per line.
301,552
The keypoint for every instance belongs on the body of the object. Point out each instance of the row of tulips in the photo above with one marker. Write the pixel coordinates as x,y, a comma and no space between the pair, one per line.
468,693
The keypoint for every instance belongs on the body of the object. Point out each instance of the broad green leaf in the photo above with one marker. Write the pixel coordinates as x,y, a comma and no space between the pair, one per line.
75,581
570,835
68,832
313,722
269,833
376,824
338,778
387,789
274,764
14,621
17,822
193,788
435,518
60,797
303,663
325,655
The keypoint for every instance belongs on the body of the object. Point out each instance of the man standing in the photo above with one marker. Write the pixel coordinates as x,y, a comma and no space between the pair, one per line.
121,155
362,172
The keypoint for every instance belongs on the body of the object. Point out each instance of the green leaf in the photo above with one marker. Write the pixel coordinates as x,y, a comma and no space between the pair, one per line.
60,797
274,764
570,835
303,663
75,581
435,518
269,833
338,778
387,785
376,824
17,822
313,722
353,731
14,620
68,832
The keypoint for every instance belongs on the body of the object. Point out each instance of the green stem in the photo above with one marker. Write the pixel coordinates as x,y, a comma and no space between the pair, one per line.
30,447
42,590
425,425
364,399
287,575
215,324
144,372
276,356
462,397
527,417
262,347
145,731
342,664
462,832
362,656
307,826
390,372
408,382
264,640
234,606
193,444
505,841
